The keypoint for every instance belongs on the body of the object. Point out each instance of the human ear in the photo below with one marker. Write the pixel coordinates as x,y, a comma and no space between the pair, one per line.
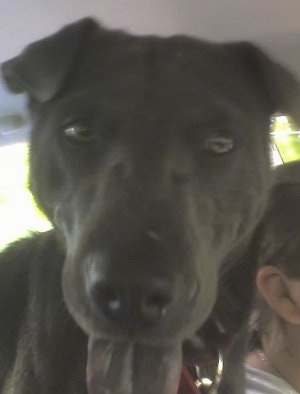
279,293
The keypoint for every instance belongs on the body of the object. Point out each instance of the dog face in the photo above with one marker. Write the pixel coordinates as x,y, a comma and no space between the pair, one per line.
150,156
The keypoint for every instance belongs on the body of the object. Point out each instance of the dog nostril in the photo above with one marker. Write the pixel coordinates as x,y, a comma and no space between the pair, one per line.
108,299
111,299
129,302
154,307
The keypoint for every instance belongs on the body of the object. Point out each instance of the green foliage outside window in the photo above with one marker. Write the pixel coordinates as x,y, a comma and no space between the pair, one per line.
286,138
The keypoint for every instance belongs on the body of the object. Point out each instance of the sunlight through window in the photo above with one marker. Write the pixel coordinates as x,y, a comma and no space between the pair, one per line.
18,212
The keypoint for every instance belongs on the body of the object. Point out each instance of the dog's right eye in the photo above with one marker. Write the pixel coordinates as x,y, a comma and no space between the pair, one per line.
80,132
219,143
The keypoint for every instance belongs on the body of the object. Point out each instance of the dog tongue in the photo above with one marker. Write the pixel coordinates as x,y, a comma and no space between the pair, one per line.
132,368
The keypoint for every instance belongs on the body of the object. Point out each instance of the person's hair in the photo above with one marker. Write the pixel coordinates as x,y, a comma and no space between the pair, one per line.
280,247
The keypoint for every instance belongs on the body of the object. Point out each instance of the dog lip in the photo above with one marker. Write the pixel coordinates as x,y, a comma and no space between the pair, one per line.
154,236
193,291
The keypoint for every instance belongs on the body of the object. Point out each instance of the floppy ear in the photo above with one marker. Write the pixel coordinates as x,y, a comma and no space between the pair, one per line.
279,86
43,66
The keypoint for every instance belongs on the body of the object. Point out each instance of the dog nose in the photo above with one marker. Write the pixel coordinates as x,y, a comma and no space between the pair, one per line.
132,303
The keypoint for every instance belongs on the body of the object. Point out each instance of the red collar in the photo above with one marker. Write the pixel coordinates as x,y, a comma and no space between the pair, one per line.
187,383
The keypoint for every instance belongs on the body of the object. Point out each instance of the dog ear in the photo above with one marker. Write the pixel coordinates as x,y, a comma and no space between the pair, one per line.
280,87
43,66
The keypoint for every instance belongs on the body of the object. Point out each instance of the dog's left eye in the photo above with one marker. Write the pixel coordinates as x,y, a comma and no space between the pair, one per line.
79,132
218,143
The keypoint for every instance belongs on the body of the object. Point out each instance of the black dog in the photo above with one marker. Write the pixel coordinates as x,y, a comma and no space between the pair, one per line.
151,158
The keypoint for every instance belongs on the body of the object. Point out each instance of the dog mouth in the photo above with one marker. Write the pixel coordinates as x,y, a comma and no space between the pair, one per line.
128,367
136,322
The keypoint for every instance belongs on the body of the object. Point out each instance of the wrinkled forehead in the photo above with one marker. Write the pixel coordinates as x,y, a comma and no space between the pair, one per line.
167,70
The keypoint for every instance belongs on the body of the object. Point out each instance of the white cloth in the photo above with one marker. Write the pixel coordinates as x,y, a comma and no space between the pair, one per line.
259,382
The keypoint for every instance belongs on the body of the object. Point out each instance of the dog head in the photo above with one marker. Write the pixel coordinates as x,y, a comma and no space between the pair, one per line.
151,158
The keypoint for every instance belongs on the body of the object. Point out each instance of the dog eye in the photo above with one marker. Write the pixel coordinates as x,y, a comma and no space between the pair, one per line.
218,143
79,132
